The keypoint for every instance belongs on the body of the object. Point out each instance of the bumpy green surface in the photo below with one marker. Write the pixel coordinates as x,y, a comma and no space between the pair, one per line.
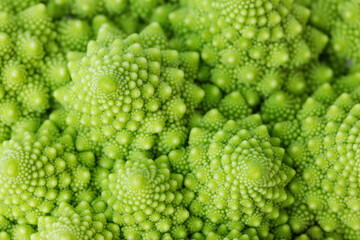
129,15
79,222
37,171
15,231
325,157
29,65
90,8
248,43
147,200
237,173
18,5
340,18
131,94
221,119
235,105
74,35
249,234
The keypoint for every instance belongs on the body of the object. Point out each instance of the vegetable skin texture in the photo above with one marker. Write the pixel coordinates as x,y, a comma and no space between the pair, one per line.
129,15
31,67
129,95
248,43
236,172
340,19
179,119
325,157
38,171
146,199
79,222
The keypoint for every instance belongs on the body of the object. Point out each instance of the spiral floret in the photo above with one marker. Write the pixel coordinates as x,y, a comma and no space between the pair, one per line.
237,172
251,43
325,156
26,39
127,94
76,222
146,199
38,170
341,20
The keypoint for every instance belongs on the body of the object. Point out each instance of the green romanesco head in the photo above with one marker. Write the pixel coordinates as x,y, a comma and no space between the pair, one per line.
179,119
287,112
237,172
339,18
253,43
130,94
326,158
16,231
146,199
30,65
38,171
73,34
76,222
